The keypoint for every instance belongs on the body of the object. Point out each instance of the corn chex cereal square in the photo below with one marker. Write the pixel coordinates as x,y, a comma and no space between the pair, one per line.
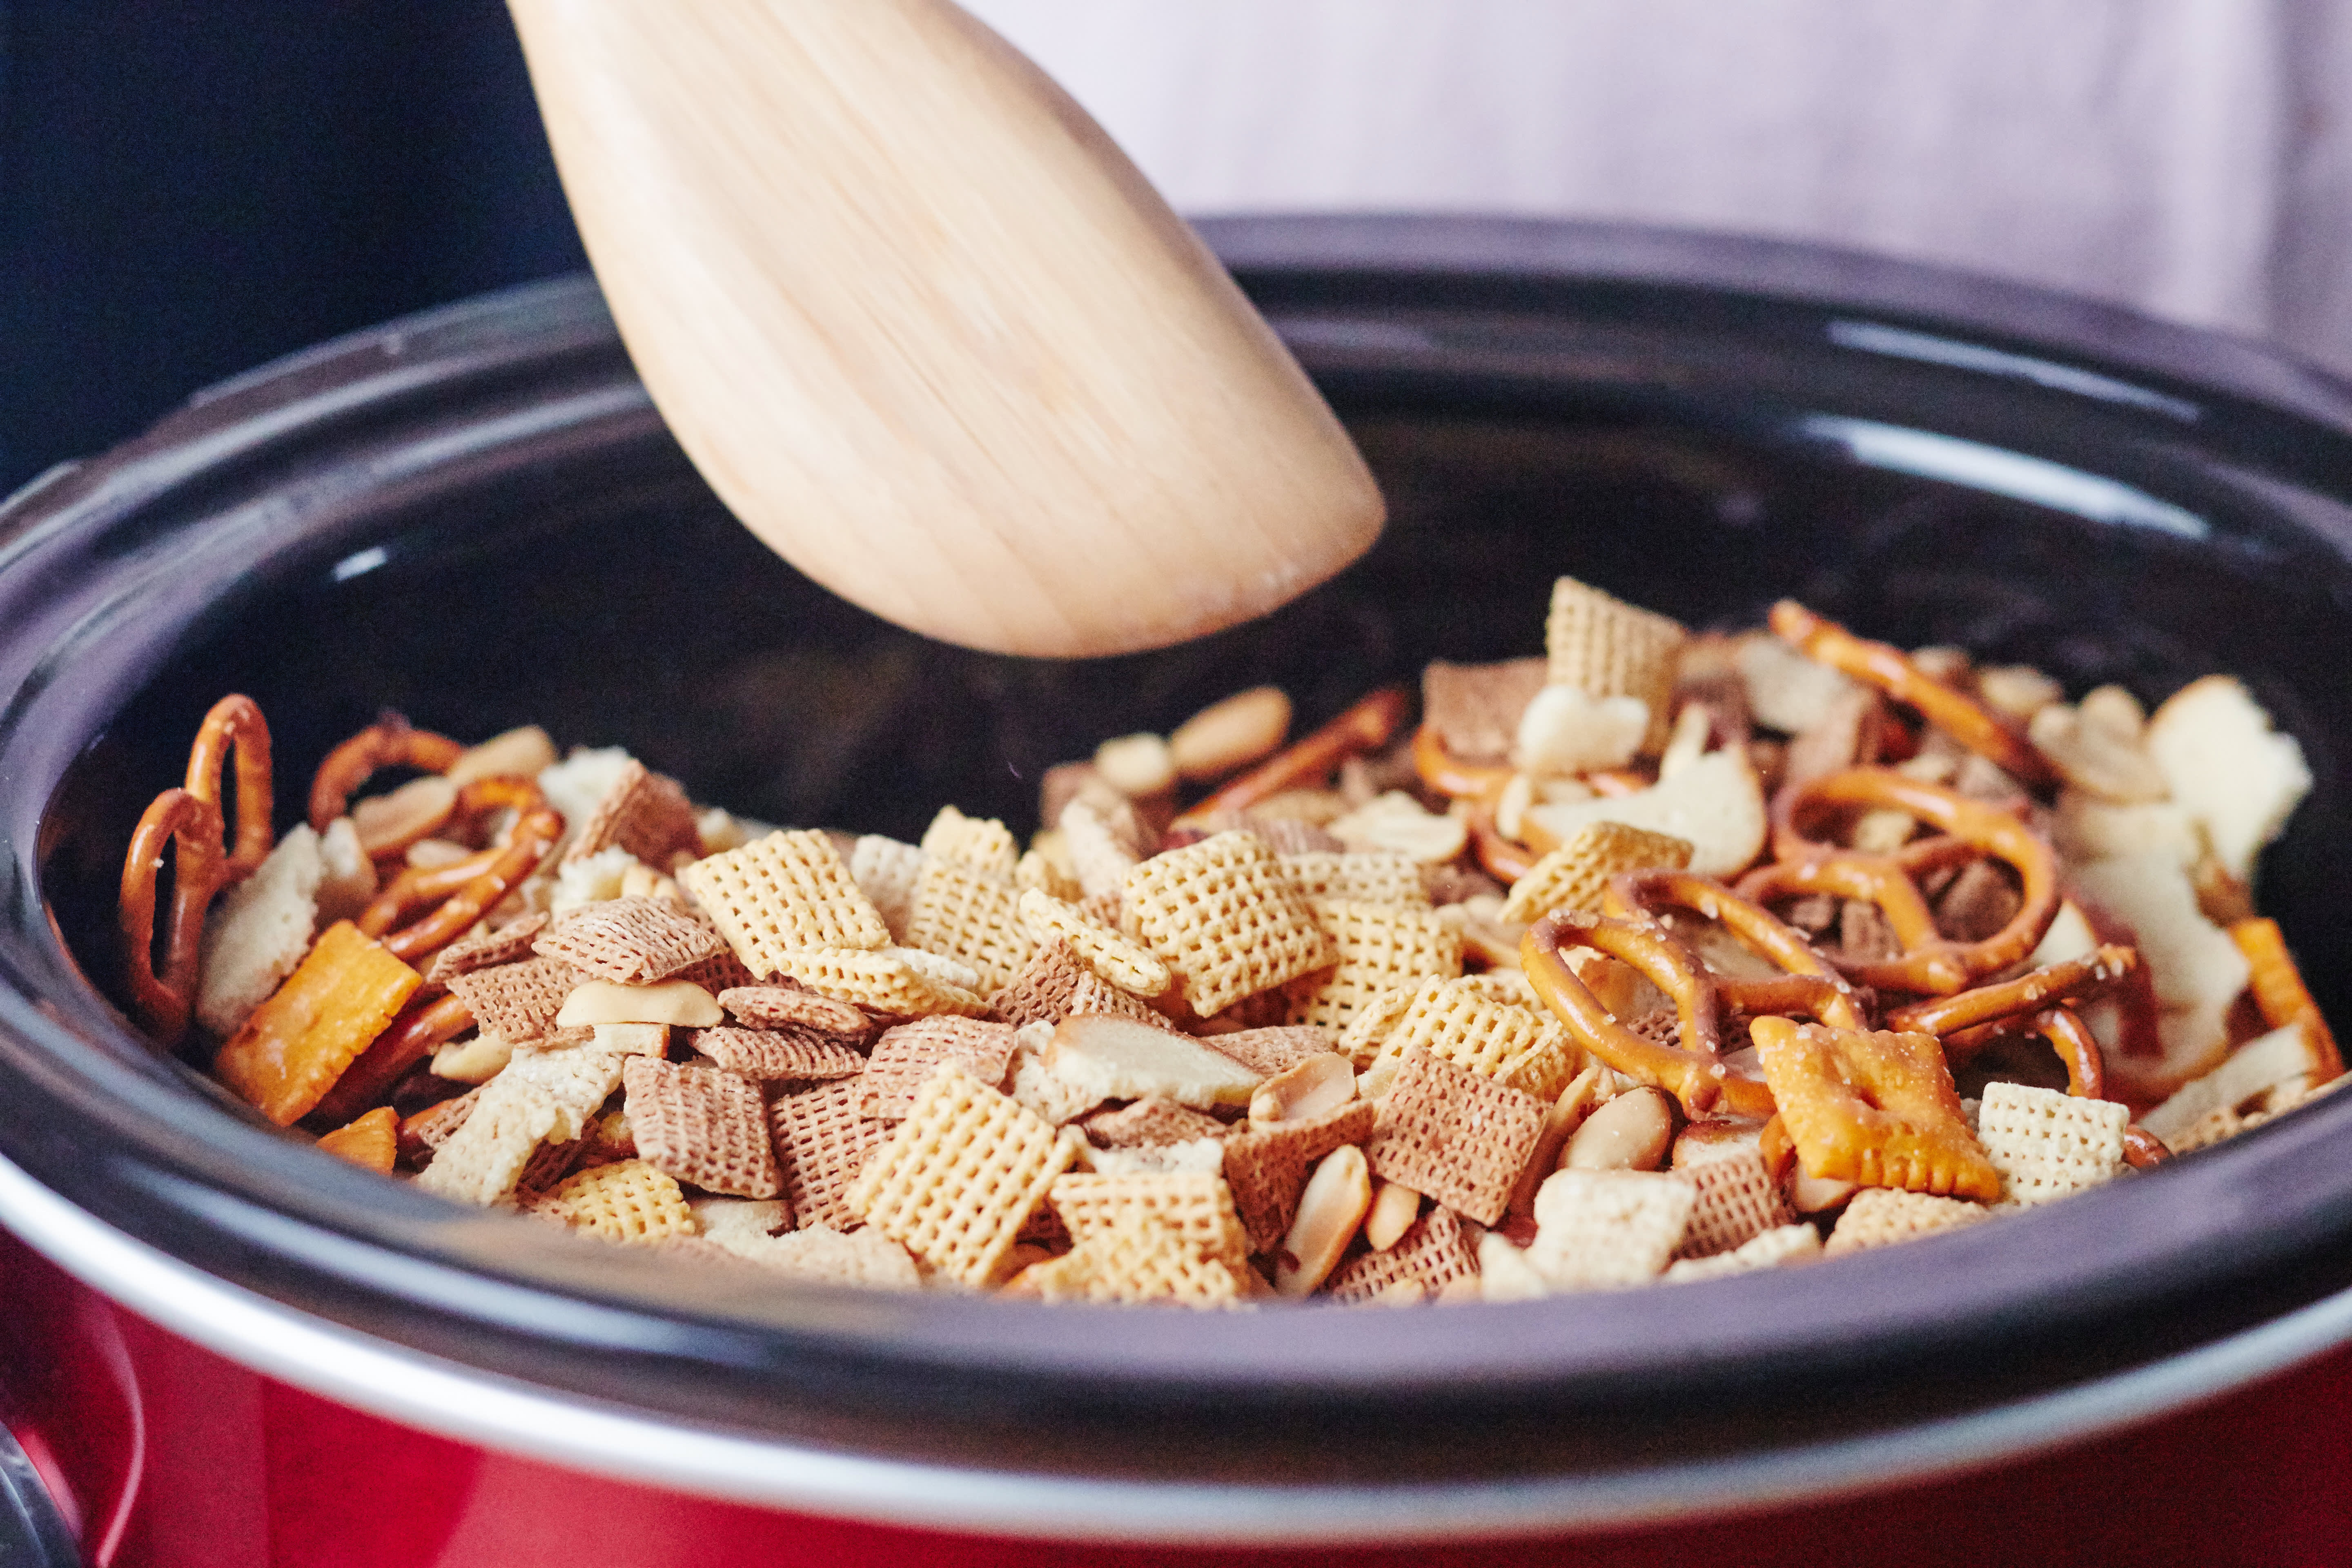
1140,1258
1461,1022
981,844
1454,1135
1114,956
1608,1228
628,1201
1223,914
1379,947
971,917
785,893
888,984
1366,876
1432,1254
822,1143
633,942
705,1126
788,1055
961,1176
1880,1216
1792,1243
2046,1144
1575,875
1196,1204
510,943
1266,1165
905,1057
1365,1040
643,812
1737,1201
1607,648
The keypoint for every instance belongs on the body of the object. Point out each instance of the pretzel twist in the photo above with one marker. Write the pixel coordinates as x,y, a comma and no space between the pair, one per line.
234,724
390,741
1448,774
2075,980
1692,1073
1809,984
464,892
1931,965
190,826
1887,668
1365,725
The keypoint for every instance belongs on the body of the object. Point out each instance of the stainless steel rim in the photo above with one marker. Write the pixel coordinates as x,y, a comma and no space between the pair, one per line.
457,1402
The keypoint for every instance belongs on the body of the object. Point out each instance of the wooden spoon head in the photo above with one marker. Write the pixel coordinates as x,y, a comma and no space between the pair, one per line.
928,333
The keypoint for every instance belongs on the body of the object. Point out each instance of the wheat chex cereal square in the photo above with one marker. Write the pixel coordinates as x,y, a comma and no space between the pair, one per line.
822,1143
1196,1204
1366,876
980,844
1054,985
1272,1050
1576,875
789,1004
1607,648
628,1201
518,1002
1880,1216
425,1131
1150,1122
1608,1228
785,893
778,1055
1266,1165
1114,956
1457,1136
1223,914
971,917
1380,948
1432,1254
1475,708
905,1057
705,1126
633,942
1737,1201
643,812
510,943
2046,1144
961,1175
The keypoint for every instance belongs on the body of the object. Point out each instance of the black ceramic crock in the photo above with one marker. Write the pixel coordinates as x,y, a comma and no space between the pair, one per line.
475,517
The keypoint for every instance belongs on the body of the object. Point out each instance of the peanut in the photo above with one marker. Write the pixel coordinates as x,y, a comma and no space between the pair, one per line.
1395,1208
1227,736
525,753
1330,1209
1321,1083
679,1002
390,823
1137,766
1632,1133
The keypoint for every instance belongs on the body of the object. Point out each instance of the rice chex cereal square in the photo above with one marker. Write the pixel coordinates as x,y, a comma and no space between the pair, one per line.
888,983
885,870
1608,1228
633,942
1225,916
2046,1144
1454,1135
785,893
822,1143
705,1126
905,1057
961,1175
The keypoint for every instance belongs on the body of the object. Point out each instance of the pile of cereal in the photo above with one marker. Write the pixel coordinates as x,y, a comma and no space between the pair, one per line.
1663,957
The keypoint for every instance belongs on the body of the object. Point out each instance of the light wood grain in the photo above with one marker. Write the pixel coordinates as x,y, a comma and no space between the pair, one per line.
928,333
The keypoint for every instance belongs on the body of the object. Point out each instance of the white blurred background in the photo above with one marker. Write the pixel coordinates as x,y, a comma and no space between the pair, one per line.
2189,158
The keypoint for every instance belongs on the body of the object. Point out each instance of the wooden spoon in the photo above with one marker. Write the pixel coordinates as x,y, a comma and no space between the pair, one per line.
928,333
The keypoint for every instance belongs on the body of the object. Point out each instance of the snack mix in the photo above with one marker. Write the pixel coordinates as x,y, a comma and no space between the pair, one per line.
1661,958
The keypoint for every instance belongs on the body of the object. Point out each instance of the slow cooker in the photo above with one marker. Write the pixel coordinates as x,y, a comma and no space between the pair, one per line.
474,516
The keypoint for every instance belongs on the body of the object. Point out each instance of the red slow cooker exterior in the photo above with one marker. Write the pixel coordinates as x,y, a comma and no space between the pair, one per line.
161,1451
